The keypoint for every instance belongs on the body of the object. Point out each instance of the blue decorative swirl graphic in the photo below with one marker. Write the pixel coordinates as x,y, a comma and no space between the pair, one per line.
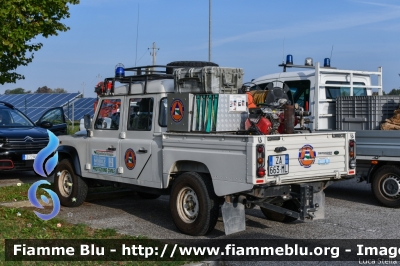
40,165
32,198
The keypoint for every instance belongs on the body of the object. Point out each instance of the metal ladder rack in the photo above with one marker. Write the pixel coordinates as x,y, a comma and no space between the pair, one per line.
318,86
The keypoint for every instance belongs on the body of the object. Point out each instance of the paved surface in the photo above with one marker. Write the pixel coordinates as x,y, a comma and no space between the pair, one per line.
351,213
12,178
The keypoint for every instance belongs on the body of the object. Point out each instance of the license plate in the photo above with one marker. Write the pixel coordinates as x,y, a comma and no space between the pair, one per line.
28,157
278,164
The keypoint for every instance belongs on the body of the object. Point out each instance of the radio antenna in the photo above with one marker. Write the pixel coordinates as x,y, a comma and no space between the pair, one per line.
137,32
283,50
331,53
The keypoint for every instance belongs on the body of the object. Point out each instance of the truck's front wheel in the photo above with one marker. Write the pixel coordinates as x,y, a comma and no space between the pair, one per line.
70,188
386,186
194,205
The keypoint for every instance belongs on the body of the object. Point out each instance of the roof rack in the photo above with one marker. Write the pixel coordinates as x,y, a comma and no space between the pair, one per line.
141,73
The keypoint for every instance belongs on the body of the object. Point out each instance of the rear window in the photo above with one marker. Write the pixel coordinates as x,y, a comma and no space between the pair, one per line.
334,92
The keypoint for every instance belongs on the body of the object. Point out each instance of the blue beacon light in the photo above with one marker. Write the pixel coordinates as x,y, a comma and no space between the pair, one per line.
289,59
327,62
119,70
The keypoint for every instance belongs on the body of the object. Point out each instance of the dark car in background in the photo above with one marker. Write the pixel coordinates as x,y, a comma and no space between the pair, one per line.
21,139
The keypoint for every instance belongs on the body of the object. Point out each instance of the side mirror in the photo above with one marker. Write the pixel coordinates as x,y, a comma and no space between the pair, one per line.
86,121
45,124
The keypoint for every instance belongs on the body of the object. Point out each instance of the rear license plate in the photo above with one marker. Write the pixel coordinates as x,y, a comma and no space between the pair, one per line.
278,164
26,157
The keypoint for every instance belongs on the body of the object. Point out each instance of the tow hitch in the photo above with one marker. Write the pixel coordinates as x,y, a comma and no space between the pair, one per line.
308,202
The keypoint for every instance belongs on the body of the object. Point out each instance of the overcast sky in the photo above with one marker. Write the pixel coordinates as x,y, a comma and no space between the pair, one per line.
254,35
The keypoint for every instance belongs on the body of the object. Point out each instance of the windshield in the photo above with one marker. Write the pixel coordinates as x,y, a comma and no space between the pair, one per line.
14,118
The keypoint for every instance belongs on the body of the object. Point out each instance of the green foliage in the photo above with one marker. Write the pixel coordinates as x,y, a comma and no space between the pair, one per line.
21,22
46,89
16,91
59,90
394,92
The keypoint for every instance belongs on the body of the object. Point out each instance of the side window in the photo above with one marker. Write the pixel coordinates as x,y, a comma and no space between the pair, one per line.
334,92
140,116
5,118
261,86
53,116
162,117
109,115
300,91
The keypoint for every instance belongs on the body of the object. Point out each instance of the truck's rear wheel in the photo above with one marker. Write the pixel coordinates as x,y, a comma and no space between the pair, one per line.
386,186
194,205
279,217
70,188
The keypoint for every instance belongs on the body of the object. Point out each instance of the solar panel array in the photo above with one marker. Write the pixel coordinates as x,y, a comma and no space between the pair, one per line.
79,108
35,104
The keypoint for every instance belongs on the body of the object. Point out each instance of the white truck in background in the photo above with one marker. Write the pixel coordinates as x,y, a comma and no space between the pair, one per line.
345,100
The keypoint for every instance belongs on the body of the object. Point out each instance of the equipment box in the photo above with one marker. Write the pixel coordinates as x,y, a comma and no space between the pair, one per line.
206,112
206,80
364,112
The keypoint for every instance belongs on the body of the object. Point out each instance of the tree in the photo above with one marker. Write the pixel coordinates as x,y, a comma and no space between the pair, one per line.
21,22
16,91
394,92
59,90
44,89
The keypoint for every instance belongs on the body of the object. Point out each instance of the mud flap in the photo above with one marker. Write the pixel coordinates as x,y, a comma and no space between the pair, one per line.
319,198
233,215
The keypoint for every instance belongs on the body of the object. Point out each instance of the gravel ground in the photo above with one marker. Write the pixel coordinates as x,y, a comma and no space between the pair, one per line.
351,213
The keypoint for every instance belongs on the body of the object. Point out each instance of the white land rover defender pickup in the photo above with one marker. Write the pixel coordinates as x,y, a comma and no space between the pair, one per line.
189,135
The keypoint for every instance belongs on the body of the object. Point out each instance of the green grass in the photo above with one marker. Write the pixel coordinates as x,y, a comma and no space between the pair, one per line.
22,223
72,129
19,193
14,193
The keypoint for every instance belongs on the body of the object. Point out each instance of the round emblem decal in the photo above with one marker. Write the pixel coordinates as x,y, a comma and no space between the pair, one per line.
177,110
130,159
307,156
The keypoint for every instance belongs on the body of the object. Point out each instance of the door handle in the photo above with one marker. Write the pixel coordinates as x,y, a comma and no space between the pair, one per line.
111,149
142,150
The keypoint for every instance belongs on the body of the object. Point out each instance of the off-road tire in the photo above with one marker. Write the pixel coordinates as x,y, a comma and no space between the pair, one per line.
194,205
279,217
70,188
148,196
188,64
386,186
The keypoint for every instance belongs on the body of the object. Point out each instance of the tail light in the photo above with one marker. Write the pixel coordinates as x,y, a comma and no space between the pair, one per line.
352,154
260,154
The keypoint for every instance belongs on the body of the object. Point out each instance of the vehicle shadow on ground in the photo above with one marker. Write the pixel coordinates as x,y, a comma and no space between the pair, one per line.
155,211
350,190
12,178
